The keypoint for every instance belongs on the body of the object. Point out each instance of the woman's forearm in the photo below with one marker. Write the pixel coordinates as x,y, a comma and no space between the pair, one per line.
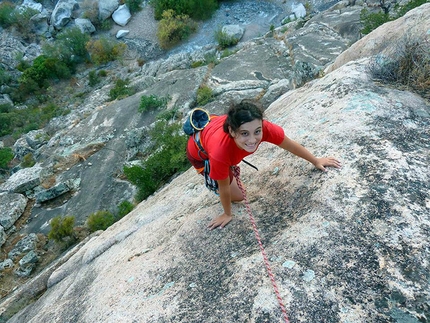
298,150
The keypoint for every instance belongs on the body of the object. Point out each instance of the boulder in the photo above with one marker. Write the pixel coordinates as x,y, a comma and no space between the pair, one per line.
122,33
107,8
23,180
85,25
122,15
56,191
35,139
24,246
12,205
63,13
233,31
39,23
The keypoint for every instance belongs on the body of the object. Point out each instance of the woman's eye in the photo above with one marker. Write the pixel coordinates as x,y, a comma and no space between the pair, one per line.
245,133
257,132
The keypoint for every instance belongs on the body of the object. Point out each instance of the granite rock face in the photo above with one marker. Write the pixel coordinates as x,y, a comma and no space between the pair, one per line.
347,245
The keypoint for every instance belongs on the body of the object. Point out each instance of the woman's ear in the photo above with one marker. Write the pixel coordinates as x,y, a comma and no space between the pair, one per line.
231,132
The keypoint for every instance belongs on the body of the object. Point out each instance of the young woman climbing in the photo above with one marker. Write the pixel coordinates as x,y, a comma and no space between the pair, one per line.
227,139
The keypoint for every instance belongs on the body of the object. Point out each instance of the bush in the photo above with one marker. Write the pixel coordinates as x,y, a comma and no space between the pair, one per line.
7,17
152,102
61,228
196,9
168,159
104,50
371,20
133,5
204,95
100,220
406,63
121,90
28,161
124,208
93,78
174,28
6,155
224,40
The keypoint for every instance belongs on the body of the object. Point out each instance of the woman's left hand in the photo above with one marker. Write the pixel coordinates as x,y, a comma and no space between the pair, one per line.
324,162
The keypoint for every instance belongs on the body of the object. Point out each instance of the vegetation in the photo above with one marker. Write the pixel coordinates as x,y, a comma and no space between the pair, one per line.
152,102
100,220
224,40
104,50
204,95
134,5
28,161
62,228
6,155
173,28
406,63
121,90
124,208
169,158
372,20
17,121
196,9
20,19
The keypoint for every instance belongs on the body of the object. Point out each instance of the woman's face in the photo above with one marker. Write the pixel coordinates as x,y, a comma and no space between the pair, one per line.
249,135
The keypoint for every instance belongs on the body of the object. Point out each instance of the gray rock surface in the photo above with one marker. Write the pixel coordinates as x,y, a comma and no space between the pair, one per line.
340,243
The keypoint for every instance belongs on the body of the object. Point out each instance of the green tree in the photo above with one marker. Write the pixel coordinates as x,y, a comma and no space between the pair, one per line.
196,9
6,155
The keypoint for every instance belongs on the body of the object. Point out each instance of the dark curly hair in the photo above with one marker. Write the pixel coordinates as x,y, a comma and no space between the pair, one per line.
245,111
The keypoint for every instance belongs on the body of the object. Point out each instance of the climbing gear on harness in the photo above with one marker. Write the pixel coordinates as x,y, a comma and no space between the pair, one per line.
236,172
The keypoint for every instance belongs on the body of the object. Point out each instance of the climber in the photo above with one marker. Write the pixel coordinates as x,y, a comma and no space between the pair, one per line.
227,139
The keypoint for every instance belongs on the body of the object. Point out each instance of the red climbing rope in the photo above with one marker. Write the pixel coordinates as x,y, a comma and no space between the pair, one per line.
236,172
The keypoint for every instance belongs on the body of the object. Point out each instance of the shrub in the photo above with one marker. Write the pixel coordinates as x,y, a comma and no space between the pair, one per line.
224,40
6,14
168,159
61,228
174,28
6,155
100,220
104,50
152,102
124,208
121,90
133,5
204,95
22,20
93,78
4,76
406,63
196,9
28,161
372,20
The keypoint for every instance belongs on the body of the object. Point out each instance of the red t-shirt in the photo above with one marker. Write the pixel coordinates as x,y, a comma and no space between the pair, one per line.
222,149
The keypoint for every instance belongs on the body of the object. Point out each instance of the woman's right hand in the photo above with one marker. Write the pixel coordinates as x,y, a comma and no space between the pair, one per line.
220,221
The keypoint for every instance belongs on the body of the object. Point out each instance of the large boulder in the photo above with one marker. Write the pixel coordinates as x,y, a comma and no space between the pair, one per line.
63,13
23,180
340,244
12,206
107,8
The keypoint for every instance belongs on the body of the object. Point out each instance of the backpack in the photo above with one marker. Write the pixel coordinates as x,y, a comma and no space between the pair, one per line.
197,121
